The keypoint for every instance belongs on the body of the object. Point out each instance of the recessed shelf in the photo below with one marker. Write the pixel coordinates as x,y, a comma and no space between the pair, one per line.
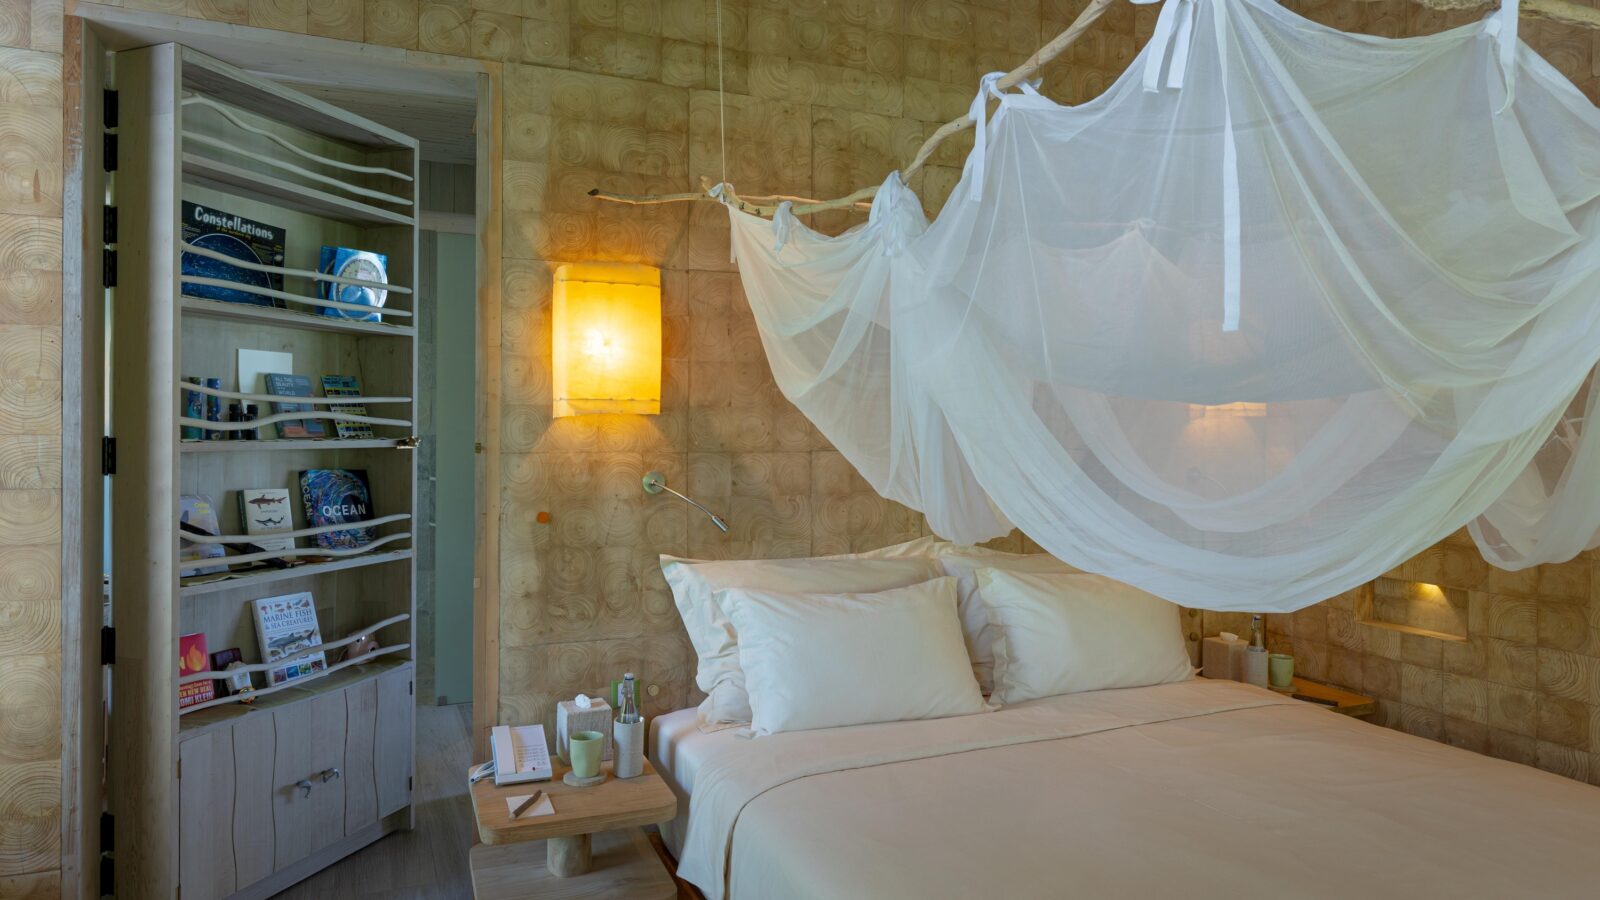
212,173
230,713
267,576
288,318
188,446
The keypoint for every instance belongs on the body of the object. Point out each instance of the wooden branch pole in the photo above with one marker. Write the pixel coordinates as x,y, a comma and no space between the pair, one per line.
1566,12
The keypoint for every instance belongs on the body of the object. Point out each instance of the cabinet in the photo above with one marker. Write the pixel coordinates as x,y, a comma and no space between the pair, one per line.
224,799
263,794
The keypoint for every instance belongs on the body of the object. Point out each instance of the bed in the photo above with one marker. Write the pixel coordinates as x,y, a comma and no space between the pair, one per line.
1200,788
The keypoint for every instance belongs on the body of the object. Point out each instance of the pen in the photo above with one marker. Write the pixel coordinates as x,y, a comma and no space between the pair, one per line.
527,803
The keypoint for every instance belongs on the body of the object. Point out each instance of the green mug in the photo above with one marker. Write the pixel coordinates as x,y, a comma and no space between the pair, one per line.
1280,671
584,748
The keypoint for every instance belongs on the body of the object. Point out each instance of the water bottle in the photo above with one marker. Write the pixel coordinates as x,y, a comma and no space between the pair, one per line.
630,706
629,733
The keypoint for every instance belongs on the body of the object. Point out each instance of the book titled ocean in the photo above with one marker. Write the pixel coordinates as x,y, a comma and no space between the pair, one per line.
227,234
363,265
286,625
284,384
334,497
347,386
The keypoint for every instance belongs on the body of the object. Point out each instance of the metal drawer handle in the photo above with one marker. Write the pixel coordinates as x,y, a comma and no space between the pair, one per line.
330,774
305,784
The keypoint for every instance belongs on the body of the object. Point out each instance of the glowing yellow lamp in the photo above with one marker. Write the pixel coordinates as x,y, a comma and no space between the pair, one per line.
606,337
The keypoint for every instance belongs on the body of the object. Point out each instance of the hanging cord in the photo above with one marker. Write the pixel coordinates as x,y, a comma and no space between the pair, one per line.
722,106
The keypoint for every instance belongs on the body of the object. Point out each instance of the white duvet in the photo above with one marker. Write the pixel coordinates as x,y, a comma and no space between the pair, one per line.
1199,789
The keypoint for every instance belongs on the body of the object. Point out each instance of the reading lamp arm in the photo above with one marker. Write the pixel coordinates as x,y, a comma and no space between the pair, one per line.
655,483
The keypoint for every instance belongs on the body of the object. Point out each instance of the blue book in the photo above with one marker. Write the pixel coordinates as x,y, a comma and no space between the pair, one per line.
333,497
237,237
348,263
286,385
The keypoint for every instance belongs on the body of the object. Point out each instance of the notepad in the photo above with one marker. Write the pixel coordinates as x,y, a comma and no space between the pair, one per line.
543,808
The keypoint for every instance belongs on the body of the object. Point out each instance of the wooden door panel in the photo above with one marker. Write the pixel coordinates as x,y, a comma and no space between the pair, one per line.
254,741
360,774
392,751
326,820
205,806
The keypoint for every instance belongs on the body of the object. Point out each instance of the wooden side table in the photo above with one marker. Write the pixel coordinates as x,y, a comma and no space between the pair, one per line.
625,866
1345,702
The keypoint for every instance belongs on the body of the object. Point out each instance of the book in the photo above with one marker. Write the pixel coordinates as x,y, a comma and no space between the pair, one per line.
196,510
192,658
285,625
235,236
238,682
347,263
333,497
347,386
266,511
284,384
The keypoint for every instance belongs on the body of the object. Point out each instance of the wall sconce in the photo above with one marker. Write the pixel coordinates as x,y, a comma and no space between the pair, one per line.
1231,410
655,483
606,339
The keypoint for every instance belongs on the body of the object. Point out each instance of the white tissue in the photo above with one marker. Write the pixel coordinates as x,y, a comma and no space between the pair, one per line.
582,701
1228,636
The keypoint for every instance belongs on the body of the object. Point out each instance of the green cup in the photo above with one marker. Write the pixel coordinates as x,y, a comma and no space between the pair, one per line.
584,747
1280,671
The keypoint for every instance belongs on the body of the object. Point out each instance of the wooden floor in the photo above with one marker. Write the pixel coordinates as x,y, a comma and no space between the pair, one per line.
430,862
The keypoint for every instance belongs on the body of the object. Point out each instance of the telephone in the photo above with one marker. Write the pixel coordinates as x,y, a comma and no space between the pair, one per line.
520,754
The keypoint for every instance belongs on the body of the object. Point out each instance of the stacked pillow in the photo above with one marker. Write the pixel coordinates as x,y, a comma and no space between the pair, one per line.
918,630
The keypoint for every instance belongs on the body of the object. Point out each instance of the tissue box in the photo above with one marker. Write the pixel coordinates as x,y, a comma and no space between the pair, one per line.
1223,657
571,718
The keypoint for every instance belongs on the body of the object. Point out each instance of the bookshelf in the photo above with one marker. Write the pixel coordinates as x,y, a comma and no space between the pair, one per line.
228,799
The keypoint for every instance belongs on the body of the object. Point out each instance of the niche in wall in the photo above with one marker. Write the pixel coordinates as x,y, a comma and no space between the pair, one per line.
1415,607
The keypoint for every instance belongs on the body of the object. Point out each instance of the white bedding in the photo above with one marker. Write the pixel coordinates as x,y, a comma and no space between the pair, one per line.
678,748
1199,789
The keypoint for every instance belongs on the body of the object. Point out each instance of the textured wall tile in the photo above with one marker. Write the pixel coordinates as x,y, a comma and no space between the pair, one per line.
342,19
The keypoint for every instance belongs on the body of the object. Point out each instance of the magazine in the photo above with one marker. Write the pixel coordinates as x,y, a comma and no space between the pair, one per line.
347,386
196,510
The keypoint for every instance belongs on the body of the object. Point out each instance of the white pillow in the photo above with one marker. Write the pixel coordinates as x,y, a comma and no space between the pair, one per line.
1061,634
964,563
825,660
695,582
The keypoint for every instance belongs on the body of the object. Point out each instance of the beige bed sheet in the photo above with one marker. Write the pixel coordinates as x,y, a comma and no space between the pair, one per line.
1195,790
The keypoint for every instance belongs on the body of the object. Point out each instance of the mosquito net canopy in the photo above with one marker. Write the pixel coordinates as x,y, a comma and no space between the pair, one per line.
1279,310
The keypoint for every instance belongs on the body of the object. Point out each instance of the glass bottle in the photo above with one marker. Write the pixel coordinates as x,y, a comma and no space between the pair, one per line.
1258,638
630,705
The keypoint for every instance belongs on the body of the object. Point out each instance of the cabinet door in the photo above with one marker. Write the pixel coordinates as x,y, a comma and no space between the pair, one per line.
392,753
360,747
205,814
254,845
308,798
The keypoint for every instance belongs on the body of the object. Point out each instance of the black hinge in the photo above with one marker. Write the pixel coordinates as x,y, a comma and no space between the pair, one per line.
108,456
108,268
408,782
410,688
108,109
108,232
107,832
108,883
108,656
108,151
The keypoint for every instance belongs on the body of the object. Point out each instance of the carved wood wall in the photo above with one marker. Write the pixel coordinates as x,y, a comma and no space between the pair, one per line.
822,96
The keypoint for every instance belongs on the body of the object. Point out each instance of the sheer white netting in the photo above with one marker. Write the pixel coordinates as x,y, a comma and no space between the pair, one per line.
1279,310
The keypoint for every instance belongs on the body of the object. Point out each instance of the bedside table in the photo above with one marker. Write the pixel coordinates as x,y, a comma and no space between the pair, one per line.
593,845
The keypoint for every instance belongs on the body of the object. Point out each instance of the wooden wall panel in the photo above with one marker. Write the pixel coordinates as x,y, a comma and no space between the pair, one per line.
31,176
822,97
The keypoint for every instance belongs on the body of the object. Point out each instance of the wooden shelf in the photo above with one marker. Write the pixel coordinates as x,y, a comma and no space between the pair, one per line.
267,576
212,173
226,715
192,446
288,318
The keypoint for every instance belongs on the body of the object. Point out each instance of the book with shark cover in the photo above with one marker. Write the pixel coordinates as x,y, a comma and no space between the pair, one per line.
267,511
